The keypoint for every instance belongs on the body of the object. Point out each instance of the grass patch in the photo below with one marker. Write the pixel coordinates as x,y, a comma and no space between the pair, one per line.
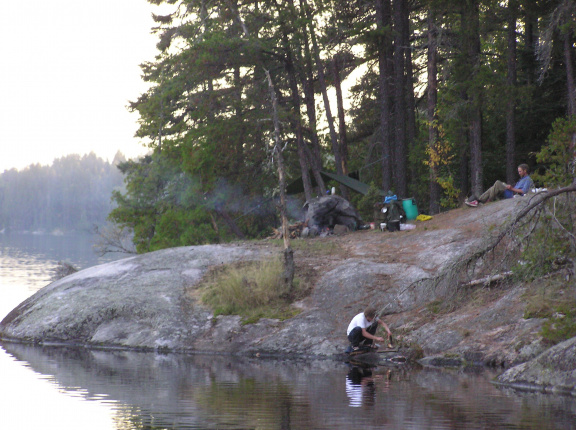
561,325
252,290
435,307
544,296
552,298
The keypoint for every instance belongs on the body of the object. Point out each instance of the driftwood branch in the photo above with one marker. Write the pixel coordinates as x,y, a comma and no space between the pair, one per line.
487,280
295,231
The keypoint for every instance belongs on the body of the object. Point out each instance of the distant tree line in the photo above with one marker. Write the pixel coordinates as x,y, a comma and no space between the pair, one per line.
71,194
450,96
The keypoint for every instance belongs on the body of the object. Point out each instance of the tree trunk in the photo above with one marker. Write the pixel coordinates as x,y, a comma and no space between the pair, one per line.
307,78
303,69
278,152
297,121
571,99
383,19
343,144
511,99
431,114
530,40
464,163
476,147
239,147
471,28
399,7
410,98
324,90
569,74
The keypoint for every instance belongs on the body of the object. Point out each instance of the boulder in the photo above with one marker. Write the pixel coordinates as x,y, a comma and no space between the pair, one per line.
328,211
552,371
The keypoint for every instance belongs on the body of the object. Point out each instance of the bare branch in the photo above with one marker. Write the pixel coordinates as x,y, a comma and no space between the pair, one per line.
113,238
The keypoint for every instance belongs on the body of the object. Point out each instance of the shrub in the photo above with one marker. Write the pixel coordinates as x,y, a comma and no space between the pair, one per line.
62,270
544,295
252,290
366,204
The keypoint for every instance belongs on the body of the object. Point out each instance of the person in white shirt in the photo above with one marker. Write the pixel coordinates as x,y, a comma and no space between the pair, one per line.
362,329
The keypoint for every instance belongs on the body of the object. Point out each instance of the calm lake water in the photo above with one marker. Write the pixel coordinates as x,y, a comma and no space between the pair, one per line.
71,388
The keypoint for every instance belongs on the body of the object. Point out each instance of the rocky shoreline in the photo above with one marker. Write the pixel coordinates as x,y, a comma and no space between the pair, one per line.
148,302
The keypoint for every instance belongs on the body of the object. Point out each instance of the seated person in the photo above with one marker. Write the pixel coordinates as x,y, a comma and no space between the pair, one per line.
501,190
362,329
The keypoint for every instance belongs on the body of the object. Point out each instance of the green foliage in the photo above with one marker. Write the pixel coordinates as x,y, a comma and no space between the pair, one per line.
435,307
365,205
548,245
441,157
180,227
207,114
164,206
252,290
552,297
556,156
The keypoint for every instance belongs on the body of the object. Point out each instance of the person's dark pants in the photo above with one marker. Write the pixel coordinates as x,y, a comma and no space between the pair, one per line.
355,337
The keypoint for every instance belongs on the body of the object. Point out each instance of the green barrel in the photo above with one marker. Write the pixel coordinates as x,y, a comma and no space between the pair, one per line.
410,208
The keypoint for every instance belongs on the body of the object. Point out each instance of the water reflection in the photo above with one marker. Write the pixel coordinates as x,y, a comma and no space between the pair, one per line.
361,385
147,391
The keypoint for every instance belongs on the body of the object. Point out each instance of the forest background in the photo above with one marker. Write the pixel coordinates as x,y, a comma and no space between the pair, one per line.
431,99
71,194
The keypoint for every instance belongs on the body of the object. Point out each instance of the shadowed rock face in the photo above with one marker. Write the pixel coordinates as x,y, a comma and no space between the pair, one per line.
149,301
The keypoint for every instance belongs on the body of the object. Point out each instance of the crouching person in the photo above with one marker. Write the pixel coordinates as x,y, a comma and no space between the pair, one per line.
362,330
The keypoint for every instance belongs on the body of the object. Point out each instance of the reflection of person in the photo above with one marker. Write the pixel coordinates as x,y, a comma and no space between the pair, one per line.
362,329
356,381
501,190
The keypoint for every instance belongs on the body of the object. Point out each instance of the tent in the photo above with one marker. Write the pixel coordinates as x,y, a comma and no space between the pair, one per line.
354,184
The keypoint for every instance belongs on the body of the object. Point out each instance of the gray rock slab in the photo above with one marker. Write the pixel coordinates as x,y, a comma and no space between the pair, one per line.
146,302
137,302
552,371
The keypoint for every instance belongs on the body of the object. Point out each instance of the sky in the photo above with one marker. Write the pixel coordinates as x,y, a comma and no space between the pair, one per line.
68,69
